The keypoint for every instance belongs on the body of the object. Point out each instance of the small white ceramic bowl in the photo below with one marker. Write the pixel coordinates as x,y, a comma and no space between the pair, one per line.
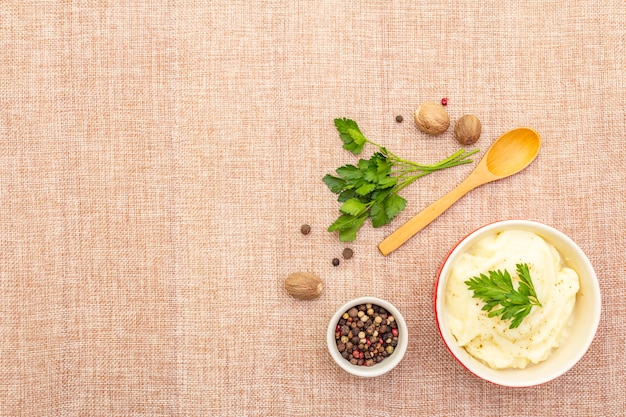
586,311
389,362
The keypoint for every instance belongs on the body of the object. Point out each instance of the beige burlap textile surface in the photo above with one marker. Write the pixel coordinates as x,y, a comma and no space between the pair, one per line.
157,159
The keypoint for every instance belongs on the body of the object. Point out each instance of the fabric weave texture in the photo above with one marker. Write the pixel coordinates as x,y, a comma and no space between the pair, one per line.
157,159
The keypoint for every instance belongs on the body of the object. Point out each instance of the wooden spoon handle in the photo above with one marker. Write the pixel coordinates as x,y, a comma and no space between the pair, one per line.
425,217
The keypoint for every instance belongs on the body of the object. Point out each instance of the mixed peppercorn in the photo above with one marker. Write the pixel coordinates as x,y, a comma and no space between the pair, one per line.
366,334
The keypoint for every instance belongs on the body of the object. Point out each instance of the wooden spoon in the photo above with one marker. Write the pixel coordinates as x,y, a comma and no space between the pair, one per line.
508,155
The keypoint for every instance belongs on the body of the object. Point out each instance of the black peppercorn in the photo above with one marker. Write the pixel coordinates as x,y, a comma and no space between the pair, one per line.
399,119
335,261
305,229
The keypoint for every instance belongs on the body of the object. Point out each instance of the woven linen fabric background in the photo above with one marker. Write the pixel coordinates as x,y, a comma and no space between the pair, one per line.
157,159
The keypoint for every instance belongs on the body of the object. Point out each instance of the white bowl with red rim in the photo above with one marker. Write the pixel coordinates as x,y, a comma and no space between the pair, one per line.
587,309
386,364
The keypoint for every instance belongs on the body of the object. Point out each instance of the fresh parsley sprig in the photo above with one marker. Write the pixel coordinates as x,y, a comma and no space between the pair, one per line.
370,188
496,289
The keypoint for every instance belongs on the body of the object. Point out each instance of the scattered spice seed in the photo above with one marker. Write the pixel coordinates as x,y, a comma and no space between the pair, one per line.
444,101
373,342
399,119
347,253
305,229
335,261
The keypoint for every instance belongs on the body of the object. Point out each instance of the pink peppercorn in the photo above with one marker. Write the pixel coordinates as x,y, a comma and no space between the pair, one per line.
444,101
394,332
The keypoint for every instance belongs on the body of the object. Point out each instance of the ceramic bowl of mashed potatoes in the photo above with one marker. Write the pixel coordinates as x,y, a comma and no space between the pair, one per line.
552,321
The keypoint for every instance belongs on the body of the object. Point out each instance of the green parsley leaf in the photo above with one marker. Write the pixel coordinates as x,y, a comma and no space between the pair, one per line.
349,172
348,225
346,195
379,215
370,188
366,188
496,289
350,134
370,175
387,182
335,184
349,234
383,164
394,204
345,221
353,207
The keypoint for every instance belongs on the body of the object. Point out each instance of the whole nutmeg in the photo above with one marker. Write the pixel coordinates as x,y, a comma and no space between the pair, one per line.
304,285
432,118
467,129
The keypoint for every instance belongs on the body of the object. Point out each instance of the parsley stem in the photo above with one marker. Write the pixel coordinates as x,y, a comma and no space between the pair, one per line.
383,150
457,158
409,181
404,179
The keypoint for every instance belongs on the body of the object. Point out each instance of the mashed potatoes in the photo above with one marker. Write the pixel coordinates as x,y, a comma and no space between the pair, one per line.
489,338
